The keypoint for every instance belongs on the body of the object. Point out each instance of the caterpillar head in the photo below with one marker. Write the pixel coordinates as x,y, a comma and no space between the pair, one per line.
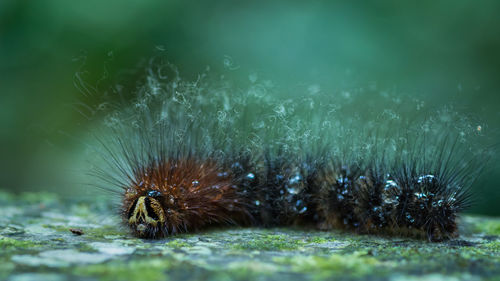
146,215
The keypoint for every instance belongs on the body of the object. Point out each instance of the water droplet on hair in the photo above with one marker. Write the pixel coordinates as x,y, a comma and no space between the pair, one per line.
426,179
420,195
409,218
154,193
296,179
390,184
236,165
223,174
292,189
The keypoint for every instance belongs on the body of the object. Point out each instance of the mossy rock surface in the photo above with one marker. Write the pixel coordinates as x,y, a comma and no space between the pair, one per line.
36,244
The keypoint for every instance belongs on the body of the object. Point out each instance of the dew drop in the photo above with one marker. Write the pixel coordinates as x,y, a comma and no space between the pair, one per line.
223,174
410,218
426,179
236,165
389,184
279,178
292,190
154,193
296,179
420,195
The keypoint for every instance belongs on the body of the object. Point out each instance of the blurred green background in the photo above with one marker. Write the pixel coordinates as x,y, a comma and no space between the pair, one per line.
439,51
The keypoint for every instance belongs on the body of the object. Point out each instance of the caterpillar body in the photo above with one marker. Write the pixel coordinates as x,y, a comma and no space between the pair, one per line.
191,155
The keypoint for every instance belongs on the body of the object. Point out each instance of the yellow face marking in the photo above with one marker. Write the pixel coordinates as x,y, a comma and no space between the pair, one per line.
140,214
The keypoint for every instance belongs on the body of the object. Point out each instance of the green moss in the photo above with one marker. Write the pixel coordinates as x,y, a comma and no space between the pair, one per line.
144,270
58,227
164,269
488,226
443,258
6,267
249,270
319,240
357,264
176,244
57,239
270,242
494,247
97,233
102,231
86,248
9,244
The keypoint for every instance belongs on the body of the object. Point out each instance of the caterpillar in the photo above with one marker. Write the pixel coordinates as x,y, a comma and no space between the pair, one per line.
189,155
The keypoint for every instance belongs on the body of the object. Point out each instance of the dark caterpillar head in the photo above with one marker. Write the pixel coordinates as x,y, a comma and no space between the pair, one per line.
146,216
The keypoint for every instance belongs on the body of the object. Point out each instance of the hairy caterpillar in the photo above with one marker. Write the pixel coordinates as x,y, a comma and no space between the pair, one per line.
190,155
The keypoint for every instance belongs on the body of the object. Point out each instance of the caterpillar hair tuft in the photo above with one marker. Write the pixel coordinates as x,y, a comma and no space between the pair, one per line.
187,155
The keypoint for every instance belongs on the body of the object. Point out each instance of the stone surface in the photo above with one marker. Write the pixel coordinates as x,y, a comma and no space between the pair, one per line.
36,244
